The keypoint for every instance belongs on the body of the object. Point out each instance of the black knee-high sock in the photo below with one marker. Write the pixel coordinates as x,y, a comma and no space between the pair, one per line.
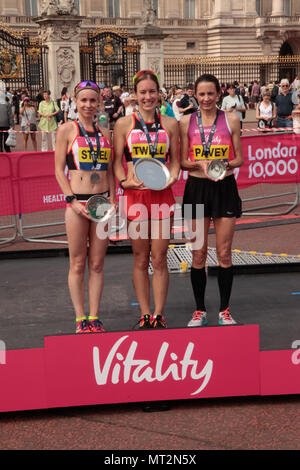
225,280
198,279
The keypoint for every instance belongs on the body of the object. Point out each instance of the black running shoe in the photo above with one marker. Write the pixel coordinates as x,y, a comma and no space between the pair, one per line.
144,323
159,322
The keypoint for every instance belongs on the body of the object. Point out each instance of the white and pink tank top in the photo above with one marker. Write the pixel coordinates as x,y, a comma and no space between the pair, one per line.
221,147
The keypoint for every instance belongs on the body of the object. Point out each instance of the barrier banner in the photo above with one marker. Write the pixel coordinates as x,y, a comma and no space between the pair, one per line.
267,159
31,186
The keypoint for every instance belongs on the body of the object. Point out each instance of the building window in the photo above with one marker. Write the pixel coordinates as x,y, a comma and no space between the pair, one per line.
190,9
190,45
31,7
114,8
287,7
258,7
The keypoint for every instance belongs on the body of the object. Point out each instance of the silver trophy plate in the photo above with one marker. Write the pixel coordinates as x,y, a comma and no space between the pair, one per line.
216,170
100,208
154,174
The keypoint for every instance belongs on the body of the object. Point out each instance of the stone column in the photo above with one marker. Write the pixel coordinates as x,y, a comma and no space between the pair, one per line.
62,36
222,14
277,8
250,8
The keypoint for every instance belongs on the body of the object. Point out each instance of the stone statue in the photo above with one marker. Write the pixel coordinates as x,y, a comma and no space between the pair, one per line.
57,7
149,14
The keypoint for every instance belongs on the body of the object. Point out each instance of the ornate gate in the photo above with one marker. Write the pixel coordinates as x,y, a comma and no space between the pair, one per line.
22,61
109,57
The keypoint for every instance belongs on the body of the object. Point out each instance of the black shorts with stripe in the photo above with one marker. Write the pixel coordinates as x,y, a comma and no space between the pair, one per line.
218,198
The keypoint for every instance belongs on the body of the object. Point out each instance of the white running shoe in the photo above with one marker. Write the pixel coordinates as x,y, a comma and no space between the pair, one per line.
198,319
225,318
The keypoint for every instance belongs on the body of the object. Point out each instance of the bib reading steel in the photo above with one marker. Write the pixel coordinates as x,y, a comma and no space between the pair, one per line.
206,146
93,153
152,148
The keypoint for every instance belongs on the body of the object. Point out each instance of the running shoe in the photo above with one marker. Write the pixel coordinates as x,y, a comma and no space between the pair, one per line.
225,318
198,319
82,326
144,323
96,325
159,322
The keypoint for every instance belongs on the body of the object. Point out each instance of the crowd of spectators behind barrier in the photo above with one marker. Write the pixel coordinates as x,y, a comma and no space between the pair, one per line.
42,113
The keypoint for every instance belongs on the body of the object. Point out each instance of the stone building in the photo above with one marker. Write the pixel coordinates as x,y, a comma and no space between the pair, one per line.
235,39
194,27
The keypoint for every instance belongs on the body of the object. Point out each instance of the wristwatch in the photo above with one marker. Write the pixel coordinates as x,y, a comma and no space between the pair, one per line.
69,199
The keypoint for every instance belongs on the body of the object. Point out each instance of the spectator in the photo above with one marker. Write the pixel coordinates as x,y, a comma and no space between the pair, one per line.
70,109
113,106
6,121
176,103
234,103
28,122
255,93
275,91
188,103
130,105
47,111
284,105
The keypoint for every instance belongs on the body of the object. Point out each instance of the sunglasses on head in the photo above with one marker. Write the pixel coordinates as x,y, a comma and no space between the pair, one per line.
86,84
143,72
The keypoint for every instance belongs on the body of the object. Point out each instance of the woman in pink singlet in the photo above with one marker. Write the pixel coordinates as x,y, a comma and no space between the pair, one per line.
206,135
148,228
86,150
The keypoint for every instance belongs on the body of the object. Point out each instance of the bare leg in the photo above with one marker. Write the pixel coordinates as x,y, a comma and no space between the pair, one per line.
160,237
77,232
97,251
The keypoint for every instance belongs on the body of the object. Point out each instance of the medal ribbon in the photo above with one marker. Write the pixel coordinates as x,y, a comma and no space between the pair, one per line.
87,137
206,146
152,147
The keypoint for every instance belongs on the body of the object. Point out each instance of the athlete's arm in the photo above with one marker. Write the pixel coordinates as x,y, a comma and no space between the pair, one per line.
234,124
110,174
171,125
185,163
61,149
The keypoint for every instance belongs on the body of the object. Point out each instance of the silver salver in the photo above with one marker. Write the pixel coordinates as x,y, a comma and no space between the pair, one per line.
216,170
100,209
154,174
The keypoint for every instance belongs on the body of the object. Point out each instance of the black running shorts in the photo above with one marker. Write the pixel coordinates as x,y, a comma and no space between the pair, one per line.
219,198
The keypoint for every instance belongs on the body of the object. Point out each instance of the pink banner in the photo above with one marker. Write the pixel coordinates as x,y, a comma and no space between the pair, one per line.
132,366
267,159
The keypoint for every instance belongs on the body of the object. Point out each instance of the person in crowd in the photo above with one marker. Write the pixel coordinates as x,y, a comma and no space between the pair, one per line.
70,109
188,103
130,105
47,112
102,117
284,105
28,122
6,121
113,106
255,93
175,105
206,130
149,213
265,111
233,103
165,107
89,175
62,103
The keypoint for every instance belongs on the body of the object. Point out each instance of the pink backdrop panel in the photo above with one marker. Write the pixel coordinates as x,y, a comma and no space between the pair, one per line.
280,372
156,365
22,380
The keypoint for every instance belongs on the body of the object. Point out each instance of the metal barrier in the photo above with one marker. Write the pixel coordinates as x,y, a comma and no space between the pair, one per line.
291,205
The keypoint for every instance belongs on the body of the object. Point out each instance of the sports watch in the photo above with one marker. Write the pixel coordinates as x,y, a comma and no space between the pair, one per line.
69,199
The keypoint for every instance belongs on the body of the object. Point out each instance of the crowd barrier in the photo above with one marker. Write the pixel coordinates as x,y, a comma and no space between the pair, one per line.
28,183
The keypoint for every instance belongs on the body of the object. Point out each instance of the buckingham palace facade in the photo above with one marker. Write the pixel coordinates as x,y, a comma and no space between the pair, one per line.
221,34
